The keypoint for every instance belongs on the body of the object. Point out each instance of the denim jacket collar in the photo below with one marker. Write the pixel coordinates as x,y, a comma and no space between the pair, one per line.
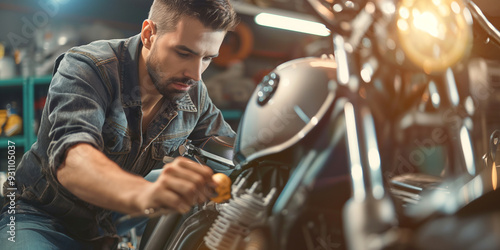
186,104
131,94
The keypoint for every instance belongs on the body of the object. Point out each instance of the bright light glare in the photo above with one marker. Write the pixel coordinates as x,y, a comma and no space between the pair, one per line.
494,180
404,13
62,40
402,25
388,7
358,184
467,150
435,98
455,7
434,34
428,23
374,158
292,24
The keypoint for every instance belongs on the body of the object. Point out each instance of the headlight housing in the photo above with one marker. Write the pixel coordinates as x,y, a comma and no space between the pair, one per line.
434,34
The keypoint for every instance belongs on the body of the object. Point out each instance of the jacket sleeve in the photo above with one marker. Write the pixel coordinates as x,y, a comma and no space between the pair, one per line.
76,105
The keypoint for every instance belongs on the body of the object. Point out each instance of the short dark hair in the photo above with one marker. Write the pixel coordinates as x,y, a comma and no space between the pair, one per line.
214,14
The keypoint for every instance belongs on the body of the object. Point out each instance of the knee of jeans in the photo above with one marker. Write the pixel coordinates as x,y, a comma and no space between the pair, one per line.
35,231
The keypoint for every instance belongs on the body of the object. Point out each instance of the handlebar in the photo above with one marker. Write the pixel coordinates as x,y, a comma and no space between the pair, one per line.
483,22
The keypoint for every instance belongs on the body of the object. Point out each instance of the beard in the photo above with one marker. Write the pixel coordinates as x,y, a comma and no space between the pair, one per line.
160,81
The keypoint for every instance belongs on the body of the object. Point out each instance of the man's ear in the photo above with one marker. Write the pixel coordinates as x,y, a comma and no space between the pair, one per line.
148,33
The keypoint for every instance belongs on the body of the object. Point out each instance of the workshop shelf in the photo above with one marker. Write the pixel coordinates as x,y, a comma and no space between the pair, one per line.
18,141
28,111
12,82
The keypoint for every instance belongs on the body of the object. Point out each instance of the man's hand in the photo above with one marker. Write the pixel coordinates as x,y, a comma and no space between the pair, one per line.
181,184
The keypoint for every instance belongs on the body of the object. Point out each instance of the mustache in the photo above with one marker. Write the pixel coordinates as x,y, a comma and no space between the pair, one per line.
184,80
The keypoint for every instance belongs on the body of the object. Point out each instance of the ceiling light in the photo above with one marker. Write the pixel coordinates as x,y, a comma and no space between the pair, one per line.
292,24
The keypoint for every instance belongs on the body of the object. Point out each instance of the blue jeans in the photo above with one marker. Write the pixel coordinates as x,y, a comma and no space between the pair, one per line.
34,229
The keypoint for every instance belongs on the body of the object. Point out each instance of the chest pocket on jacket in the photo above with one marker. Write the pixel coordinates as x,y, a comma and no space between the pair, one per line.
116,139
165,147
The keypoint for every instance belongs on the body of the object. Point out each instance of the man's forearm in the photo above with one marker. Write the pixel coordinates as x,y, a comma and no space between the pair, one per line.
91,176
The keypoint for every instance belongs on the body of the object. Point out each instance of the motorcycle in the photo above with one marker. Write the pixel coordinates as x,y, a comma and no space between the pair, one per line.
415,64
373,147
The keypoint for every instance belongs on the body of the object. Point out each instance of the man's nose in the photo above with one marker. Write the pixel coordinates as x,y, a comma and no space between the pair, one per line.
194,70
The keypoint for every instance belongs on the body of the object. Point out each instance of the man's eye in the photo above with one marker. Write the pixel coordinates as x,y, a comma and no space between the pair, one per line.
208,59
184,55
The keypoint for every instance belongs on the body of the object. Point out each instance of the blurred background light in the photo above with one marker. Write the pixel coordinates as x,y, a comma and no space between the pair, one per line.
292,24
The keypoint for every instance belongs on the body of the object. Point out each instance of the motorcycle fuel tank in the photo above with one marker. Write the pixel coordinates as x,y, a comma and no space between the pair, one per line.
285,106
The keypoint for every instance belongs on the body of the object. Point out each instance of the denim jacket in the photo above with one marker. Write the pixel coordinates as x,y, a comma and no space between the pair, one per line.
94,98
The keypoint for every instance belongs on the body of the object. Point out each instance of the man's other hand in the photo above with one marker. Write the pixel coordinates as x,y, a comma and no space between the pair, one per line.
181,184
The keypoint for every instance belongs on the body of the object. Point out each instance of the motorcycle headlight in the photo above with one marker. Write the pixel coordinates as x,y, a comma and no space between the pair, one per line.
434,34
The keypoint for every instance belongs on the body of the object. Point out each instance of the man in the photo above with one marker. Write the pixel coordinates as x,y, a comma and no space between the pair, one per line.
114,110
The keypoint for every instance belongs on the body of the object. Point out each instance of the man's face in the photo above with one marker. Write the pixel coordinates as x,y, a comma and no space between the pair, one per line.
178,58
